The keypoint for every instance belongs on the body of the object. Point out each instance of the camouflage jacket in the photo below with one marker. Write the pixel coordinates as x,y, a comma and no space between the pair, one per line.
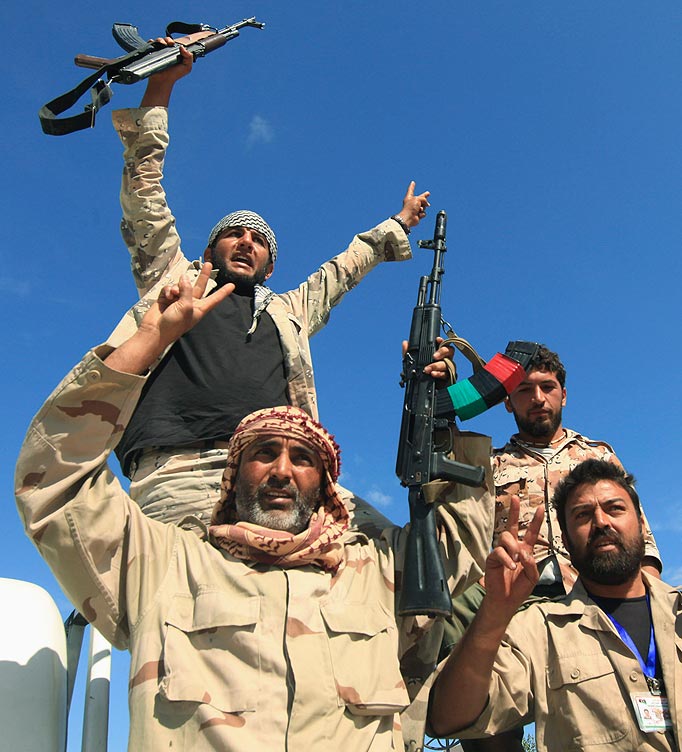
563,665
148,229
528,475
225,654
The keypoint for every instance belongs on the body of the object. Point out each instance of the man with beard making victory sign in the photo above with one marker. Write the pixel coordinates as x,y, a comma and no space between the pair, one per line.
529,467
251,352
598,668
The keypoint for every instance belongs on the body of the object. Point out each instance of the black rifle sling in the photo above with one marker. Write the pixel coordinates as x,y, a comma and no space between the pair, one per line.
56,126
100,92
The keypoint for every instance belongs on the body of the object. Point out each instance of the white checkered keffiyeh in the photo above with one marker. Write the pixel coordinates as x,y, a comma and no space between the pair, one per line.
250,220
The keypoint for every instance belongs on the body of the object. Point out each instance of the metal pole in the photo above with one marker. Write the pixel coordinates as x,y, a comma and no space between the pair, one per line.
96,712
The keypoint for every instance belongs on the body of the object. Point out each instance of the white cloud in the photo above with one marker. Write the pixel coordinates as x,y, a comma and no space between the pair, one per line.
260,131
378,498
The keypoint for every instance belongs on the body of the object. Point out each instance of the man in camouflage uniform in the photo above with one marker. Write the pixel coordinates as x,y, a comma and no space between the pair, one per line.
596,669
530,466
169,450
277,628
535,459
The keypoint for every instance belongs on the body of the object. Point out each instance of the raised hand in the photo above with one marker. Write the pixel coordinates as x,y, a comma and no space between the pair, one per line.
511,572
180,307
438,369
160,85
414,207
177,309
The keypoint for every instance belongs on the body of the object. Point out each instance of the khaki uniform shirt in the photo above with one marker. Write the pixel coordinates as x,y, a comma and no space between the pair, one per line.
519,471
228,655
148,229
563,666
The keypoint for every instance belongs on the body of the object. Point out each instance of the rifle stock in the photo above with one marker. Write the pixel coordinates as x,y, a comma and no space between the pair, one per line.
424,587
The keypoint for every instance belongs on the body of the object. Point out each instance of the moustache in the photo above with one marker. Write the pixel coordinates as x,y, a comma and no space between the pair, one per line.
607,534
285,489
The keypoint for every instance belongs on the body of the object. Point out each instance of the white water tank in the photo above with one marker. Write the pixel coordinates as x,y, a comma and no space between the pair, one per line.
32,670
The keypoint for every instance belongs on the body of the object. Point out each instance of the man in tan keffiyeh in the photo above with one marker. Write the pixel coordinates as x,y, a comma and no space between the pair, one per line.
279,502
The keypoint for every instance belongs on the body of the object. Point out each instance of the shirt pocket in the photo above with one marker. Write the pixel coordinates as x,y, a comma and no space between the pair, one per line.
210,652
511,481
585,704
363,642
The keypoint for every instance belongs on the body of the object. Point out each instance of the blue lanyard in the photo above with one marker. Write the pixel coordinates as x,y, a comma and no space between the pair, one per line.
649,666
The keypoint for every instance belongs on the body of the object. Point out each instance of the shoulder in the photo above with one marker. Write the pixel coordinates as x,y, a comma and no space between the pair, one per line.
581,448
510,449
660,588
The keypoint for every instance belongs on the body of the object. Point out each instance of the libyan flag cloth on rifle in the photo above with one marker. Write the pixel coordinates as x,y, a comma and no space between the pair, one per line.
489,385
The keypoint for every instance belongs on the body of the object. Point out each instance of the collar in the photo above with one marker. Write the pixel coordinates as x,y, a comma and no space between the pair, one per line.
515,443
261,297
579,605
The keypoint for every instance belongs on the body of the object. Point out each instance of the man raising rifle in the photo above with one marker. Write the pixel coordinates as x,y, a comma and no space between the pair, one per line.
175,444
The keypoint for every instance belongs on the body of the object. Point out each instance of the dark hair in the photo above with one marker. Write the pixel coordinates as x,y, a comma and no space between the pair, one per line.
546,360
591,472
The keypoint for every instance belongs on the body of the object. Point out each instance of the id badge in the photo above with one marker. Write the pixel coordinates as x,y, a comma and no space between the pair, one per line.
652,711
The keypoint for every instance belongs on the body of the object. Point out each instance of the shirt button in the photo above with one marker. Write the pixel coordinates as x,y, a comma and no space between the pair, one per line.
575,673
634,676
93,376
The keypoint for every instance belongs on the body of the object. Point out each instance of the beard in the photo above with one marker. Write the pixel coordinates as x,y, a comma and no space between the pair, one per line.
252,506
609,567
243,283
542,427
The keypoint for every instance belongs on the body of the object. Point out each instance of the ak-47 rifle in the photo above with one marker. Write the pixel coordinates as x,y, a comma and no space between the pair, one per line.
142,60
424,586
425,410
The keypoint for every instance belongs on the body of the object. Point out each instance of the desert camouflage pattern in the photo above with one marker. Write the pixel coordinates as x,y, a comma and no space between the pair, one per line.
149,231
228,654
563,666
528,475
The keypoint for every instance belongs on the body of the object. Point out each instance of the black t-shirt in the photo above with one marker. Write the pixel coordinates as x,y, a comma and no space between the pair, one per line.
211,378
634,616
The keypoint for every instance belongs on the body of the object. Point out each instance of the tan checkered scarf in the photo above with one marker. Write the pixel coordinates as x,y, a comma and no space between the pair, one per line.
319,543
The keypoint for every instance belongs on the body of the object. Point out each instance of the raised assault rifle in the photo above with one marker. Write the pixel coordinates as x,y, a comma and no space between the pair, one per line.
424,586
142,60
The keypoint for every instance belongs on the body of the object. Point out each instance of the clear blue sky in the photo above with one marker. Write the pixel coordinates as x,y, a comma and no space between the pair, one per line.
548,131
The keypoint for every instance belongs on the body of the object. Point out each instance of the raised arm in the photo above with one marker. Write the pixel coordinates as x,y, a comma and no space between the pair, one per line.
148,226
460,692
312,302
